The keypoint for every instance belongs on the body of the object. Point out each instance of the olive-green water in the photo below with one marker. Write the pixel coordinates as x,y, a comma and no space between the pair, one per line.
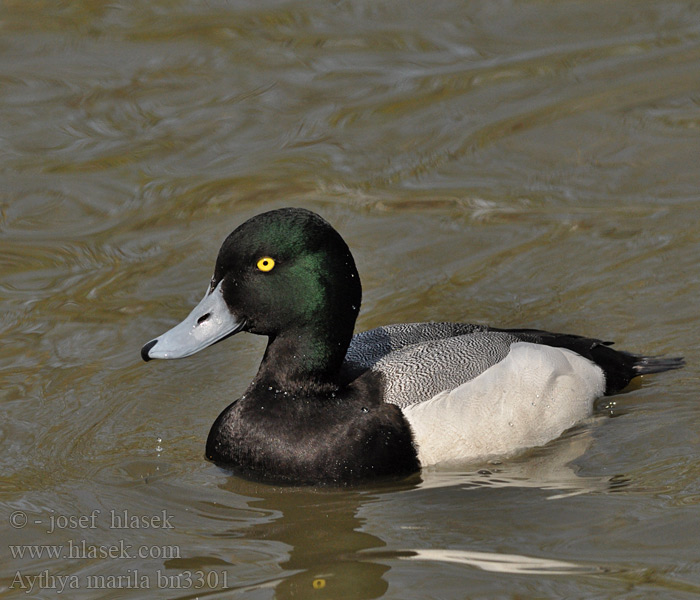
519,163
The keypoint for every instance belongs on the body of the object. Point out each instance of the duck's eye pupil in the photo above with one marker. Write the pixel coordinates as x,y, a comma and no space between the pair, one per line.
266,264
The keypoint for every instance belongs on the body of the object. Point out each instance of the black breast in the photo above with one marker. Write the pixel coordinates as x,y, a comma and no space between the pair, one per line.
340,438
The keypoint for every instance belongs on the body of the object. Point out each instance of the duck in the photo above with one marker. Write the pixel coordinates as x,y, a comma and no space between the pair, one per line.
328,407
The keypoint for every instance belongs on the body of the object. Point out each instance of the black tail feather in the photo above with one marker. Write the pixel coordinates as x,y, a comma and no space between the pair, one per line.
646,365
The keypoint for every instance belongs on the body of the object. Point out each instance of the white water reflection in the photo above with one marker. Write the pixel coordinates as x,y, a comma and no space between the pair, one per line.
504,563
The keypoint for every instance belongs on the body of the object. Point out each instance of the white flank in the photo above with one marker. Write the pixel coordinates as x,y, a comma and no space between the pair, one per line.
531,397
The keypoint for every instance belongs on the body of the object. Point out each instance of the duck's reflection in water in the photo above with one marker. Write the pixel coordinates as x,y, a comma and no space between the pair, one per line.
332,554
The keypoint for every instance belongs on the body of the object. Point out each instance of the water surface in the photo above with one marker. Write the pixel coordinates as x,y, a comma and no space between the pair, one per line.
519,163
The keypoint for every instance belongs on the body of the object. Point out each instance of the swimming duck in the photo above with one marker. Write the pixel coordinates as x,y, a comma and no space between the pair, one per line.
329,407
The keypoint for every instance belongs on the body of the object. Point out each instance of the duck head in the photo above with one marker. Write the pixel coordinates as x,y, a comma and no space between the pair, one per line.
286,274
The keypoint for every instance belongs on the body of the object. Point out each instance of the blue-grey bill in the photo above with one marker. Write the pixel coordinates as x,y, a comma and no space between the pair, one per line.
209,322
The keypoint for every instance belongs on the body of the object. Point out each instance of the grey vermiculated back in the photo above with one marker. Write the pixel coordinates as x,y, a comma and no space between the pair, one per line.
369,346
420,360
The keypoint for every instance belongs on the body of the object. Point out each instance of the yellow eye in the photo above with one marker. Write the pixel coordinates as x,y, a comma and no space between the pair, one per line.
266,264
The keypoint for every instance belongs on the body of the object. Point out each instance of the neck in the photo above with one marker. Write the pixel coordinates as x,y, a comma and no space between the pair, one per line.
305,361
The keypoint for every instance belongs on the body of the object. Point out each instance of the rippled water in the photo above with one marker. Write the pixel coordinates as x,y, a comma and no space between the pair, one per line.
521,163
